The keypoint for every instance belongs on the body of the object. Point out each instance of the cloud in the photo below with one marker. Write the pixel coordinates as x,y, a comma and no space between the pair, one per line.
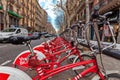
48,6
53,14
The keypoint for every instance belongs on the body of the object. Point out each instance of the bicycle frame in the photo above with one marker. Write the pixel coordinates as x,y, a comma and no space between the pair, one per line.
92,69
53,45
54,58
46,70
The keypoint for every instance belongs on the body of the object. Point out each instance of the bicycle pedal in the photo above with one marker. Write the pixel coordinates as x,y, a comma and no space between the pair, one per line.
79,67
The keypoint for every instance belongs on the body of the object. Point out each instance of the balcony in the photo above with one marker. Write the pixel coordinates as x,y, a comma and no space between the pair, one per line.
14,14
1,7
110,6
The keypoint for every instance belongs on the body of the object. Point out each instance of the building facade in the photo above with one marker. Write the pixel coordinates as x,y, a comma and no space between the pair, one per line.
24,13
40,18
114,7
49,28
104,7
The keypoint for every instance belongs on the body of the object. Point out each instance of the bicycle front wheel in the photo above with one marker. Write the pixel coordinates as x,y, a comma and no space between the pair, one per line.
113,76
79,69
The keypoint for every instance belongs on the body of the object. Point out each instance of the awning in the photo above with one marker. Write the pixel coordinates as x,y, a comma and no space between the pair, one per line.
14,14
1,7
112,5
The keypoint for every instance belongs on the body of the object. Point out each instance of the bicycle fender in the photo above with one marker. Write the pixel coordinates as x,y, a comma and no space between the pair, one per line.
22,58
10,73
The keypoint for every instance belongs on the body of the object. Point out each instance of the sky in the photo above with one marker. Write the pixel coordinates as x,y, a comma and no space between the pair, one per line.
55,15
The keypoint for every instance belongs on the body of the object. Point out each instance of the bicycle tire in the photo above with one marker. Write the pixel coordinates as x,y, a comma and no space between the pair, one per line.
110,76
71,59
113,76
84,57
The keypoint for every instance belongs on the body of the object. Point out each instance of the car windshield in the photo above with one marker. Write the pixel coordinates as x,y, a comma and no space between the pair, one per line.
9,30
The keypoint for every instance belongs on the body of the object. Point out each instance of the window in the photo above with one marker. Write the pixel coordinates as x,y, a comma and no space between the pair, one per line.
18,31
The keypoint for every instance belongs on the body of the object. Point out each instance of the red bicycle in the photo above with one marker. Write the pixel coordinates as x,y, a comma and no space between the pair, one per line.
48,54
43,71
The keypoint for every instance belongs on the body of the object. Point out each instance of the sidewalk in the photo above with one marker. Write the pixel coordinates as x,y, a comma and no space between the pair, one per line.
113,52
110,64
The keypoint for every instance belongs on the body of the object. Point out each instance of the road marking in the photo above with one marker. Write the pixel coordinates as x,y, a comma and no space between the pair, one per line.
6,62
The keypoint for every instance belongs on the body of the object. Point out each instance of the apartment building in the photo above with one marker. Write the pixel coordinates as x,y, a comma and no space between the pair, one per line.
78,7
49,28
21,13
41,18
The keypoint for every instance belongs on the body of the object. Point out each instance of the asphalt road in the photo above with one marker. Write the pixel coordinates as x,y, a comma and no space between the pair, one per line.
8,52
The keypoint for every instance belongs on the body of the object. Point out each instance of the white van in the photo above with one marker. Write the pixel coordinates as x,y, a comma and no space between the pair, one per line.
16,31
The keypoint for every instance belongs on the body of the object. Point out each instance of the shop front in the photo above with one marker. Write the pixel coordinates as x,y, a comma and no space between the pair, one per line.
114,7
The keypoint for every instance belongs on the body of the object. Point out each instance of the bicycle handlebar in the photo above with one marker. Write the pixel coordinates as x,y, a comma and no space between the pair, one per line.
66,30
104,16
21,39
74,25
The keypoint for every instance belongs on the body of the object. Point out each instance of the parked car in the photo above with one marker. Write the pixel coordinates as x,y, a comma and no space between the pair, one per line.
30,34
16,31
37,35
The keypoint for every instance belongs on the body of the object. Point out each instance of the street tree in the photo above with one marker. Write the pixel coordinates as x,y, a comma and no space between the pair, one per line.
71,9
